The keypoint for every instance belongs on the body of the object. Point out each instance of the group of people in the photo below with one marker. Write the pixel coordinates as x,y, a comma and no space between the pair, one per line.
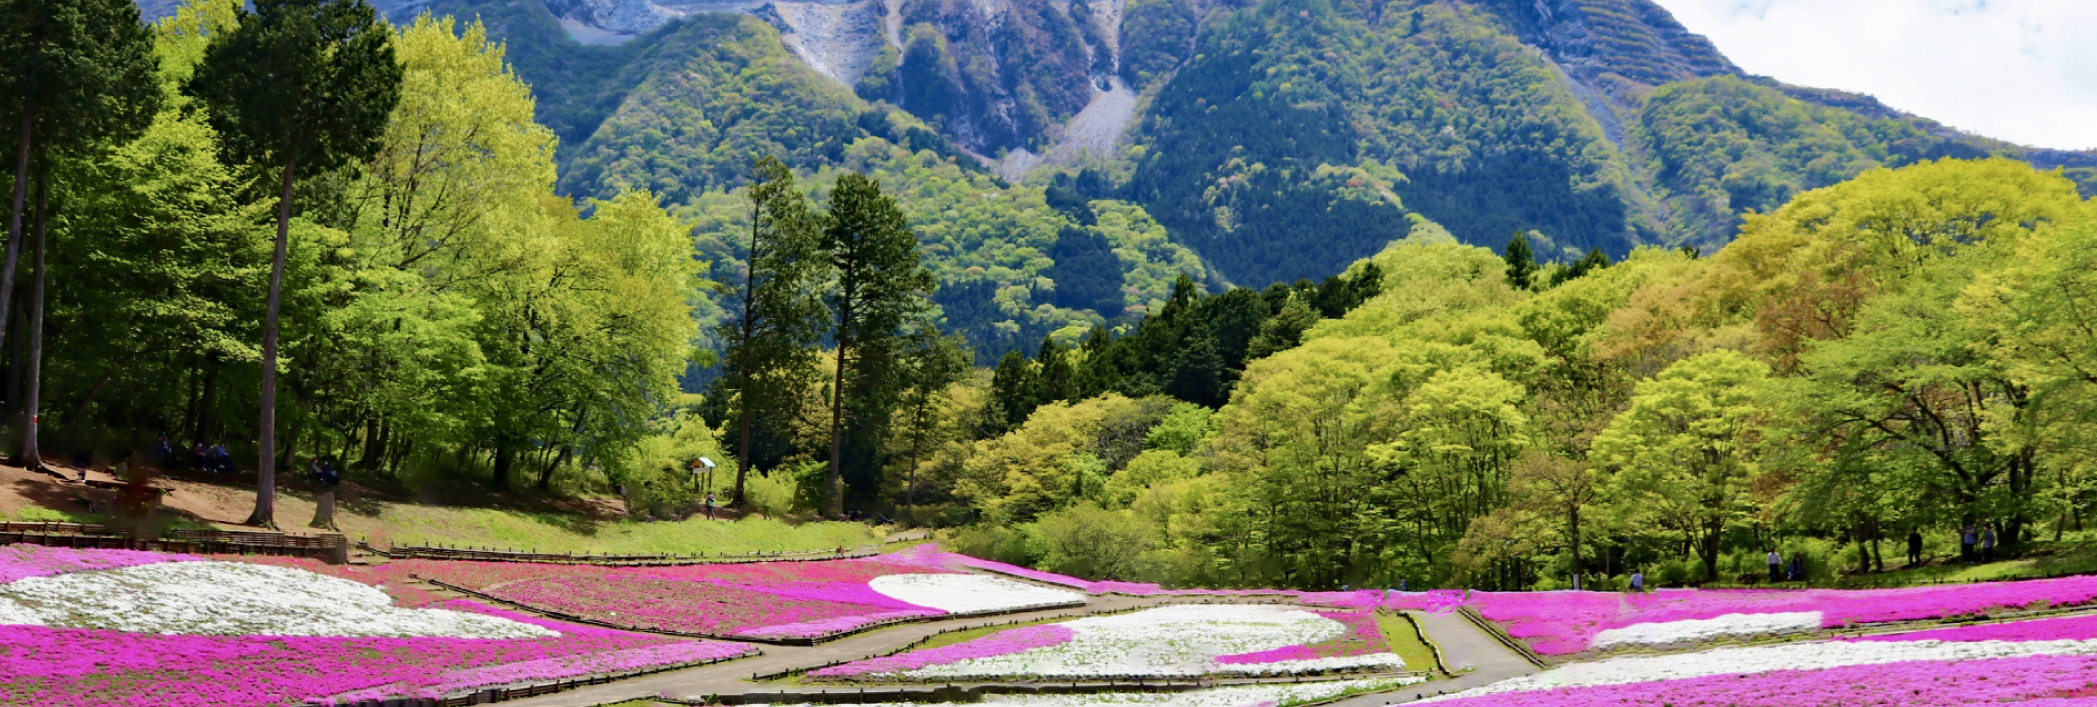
1976,546
1779,572
213,459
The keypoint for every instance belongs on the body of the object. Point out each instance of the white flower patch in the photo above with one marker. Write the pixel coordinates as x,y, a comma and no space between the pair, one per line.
970,593
1238,696
1386,661
16,614
1166,641
232,598
1759,659
1705,629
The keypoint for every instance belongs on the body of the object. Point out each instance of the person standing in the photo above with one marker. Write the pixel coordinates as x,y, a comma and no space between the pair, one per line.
1914,546
709,505
1776,566
1966,541
1638,580
1987,541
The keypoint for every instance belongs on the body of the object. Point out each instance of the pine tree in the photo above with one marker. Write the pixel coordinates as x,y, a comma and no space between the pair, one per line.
1013,391
73,74
1057,381
296,85
779,316
880,284
1521,262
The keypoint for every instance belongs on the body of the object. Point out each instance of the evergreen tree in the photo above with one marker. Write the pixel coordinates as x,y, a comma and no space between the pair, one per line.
1013,392
1057,381
880,284
778,317
1198,377
931,363
73,74
1521,262
296,85
1097,373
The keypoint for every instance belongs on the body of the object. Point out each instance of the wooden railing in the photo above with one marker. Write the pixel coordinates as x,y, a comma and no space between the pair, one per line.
429,552
330,548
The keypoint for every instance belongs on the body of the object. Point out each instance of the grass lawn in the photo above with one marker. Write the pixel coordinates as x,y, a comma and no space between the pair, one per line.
410,524
1404,641
2074,554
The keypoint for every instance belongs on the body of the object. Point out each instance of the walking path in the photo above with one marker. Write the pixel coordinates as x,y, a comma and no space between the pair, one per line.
1464,646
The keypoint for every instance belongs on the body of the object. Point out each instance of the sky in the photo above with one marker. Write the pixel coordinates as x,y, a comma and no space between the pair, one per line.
2018,70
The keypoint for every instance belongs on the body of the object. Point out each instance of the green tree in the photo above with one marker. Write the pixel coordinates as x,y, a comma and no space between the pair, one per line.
296,84
1684,452
1013,386
78,73
879,285
1521,262
931,364
778,317
1056,380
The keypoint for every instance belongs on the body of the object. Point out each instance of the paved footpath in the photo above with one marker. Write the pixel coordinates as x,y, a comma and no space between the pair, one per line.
1463,645
733,677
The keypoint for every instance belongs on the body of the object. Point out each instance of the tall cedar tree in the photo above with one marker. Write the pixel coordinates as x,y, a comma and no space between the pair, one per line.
880,283
1056,382
297,85
931,363
773,333
75,73
1013,388
1521,262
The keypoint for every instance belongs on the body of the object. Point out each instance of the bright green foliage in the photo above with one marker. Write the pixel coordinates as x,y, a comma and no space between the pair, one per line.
1187,428
1723,145
1681,457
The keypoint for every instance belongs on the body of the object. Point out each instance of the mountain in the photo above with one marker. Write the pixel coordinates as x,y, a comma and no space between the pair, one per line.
1276,139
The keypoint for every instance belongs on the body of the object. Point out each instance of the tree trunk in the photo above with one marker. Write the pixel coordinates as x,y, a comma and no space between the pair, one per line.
743,455
266,455
30,400
324,508
503,456
204,403
1707,550
14,219
835,483
17,361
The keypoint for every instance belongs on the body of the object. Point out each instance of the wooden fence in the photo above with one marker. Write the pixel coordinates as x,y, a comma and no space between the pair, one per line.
430,552
330,548
515,692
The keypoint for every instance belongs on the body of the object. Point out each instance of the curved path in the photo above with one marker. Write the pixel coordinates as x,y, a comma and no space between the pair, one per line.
1476,656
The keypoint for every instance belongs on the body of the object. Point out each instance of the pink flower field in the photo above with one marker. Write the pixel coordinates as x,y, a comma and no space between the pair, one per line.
1362,638
1015,640
758,600
24,561
1566,622
48,667
2036,681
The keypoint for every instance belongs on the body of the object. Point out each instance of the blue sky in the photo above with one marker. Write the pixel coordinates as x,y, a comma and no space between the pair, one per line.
2018,70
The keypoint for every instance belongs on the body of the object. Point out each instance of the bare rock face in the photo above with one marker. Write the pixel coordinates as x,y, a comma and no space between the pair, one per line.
615,16
838,40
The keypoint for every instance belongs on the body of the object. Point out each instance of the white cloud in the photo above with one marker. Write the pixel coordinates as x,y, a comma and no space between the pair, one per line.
2018,70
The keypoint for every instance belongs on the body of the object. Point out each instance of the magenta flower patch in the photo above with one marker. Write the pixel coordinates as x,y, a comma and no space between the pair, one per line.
48,667
24,561
1362,637
2043,681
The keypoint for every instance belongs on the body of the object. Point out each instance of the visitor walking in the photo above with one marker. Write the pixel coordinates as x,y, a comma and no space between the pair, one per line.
1776,566
1638,580
1914,547
1988,543
1797,571
709,505
1967,538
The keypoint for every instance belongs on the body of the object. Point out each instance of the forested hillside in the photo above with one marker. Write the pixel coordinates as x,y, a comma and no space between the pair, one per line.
1905,350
